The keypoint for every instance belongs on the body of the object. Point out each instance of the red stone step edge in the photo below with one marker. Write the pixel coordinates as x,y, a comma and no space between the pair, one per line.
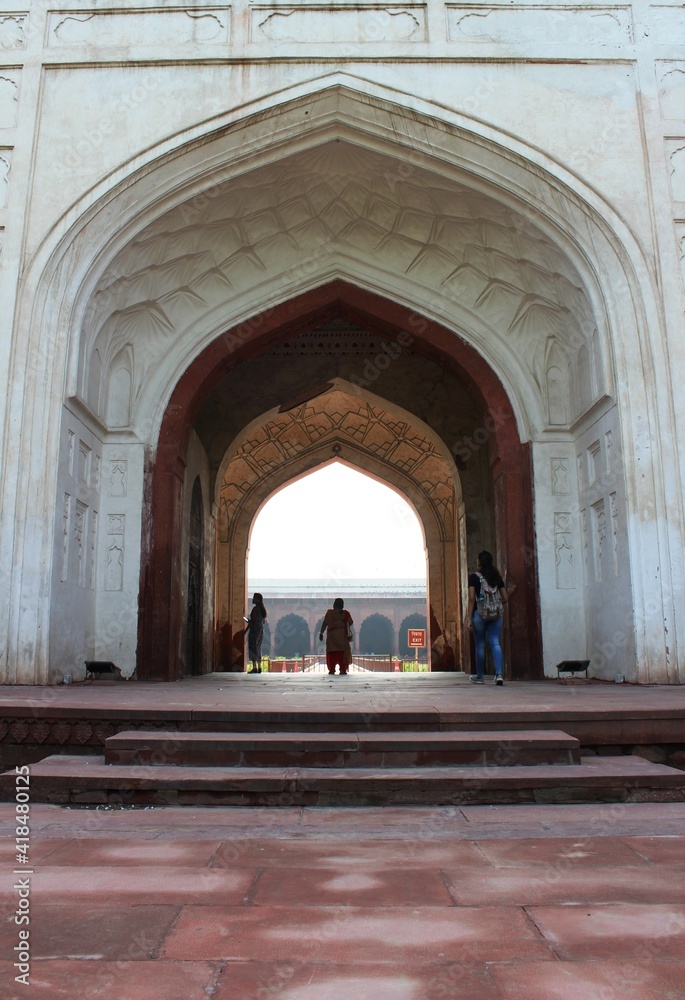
343,750
89,781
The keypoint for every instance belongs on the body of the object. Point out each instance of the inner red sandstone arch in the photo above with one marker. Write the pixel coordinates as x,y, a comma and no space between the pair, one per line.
385,443
161,599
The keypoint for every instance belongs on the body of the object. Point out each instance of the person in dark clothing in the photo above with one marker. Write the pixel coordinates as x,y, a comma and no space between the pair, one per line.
337,624
487,597
255,634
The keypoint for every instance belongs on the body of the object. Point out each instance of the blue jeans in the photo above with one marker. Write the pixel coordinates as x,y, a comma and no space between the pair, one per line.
492,631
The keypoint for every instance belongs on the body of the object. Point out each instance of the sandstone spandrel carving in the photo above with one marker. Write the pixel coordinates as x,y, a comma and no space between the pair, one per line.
9,100
140,28
338,24
338,418
13,31
561,25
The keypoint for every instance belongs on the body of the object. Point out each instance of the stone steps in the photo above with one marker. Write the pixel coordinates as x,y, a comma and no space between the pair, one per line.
505,748
80,780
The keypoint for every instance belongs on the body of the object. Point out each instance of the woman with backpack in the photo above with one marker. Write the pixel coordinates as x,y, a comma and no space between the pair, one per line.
487,597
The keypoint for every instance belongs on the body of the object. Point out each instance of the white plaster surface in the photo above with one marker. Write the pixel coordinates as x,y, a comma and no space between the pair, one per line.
159,181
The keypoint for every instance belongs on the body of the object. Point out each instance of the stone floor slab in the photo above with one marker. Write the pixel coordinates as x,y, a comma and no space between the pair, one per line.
643,933
537,885
629,980
71,980
92,931
564,852
661,850
291,980
115,853
355,934
368,887
131,885
351,856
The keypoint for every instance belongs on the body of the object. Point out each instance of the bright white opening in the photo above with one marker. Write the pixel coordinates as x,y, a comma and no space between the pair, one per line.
336,524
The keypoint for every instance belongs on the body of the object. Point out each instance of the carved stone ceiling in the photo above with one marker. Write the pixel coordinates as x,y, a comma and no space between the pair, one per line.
321,208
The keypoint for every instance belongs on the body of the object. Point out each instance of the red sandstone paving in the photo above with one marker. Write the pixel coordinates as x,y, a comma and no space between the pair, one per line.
291,980
558,884
371,887
112,852
355,934
128,885
659,849
356,854
580,852
642,933
70,980
628,980
92,931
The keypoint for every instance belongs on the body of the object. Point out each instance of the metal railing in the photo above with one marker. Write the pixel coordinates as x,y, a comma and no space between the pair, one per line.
366,662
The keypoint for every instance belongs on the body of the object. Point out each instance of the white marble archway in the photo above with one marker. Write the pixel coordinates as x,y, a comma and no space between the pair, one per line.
586,306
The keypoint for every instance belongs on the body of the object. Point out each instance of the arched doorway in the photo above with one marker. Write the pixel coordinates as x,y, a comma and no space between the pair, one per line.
494,260
337,419
376,635
342,424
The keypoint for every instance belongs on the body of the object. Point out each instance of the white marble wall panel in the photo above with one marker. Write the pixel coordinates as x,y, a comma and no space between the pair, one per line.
13,31
125,109
552,25
675,159
559,554
9,97
171,27
604,547
667,24
5,170
333,25
671,81
75,569
680,238
118,563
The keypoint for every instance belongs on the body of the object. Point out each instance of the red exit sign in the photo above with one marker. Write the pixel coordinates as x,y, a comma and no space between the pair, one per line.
416,638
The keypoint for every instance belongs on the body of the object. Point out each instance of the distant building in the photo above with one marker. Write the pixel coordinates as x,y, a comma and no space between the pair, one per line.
382,610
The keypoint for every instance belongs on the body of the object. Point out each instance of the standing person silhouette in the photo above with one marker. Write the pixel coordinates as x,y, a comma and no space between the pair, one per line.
337,624
255,634
487,597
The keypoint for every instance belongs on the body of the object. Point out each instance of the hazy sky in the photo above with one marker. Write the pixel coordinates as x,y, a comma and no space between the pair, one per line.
336,523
